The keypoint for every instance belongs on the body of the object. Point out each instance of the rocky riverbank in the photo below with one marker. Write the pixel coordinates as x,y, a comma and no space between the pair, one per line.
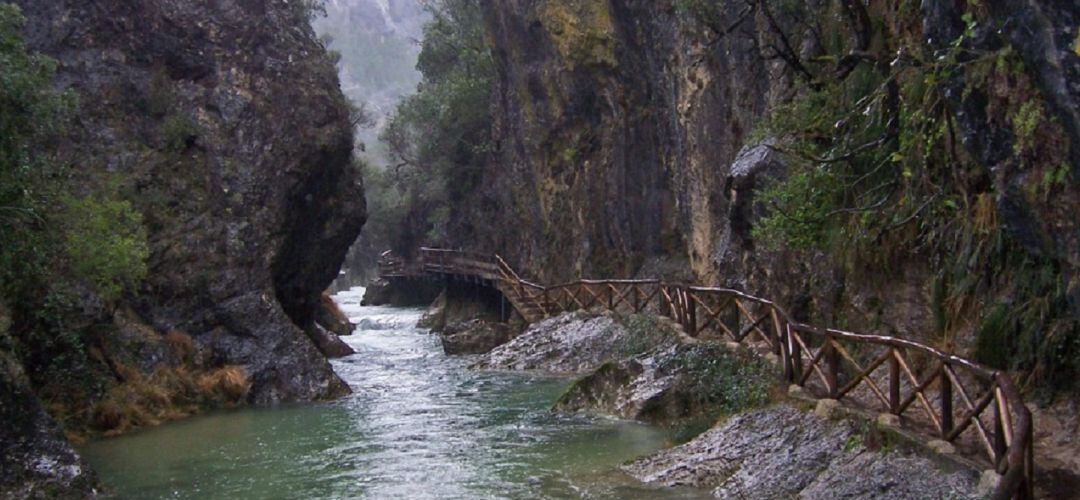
785,452
753,440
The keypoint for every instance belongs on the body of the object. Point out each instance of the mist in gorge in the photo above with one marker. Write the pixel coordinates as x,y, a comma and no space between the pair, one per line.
375,44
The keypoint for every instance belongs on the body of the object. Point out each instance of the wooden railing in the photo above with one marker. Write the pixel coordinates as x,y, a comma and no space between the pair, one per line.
959,401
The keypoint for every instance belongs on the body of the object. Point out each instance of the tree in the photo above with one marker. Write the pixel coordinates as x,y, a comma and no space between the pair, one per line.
440,137
31,115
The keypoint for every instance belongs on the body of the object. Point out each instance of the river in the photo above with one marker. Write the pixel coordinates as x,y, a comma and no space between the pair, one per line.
419,425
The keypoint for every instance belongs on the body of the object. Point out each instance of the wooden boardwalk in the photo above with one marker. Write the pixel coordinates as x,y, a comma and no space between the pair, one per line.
976,408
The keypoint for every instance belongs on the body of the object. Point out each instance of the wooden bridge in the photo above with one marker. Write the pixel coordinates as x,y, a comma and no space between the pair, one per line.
977,409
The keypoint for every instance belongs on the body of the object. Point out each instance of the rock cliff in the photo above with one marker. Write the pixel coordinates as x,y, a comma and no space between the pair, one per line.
229,133
223,124
630,138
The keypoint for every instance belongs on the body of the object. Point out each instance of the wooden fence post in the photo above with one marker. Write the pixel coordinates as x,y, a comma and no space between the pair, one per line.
785,350
796,356
832,367
894,382
1000,444
946,402
691,309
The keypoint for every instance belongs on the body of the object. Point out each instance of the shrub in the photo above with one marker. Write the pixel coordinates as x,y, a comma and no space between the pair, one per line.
643,333
726,381
180,132
106,244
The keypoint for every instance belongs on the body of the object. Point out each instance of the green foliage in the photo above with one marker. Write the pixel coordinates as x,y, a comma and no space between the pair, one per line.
180,132
31,115
802,203
877,174
106,244
440,137
644,332
1025,123
992,340
729,382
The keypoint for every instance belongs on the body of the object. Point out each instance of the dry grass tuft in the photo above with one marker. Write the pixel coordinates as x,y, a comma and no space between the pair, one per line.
168,394
229,384
180,345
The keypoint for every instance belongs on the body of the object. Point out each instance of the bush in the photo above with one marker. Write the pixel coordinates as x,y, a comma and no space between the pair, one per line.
106,244
729,382
180,132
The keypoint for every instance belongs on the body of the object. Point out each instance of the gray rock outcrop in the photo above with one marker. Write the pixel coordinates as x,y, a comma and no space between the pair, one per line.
474,337
783,452
570,344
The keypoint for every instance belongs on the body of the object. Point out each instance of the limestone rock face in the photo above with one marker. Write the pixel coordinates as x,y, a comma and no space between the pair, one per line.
225,125
623,145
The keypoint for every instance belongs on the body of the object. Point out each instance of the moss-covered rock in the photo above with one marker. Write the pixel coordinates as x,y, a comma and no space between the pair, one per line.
581,30
674,385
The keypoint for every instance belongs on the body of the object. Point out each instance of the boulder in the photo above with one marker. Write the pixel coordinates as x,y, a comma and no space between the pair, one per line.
577,343
332,318
784,452
474,337
435,317
401,292
329,344
673,384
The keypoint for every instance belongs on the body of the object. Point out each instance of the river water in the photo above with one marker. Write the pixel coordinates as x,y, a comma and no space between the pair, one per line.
419,425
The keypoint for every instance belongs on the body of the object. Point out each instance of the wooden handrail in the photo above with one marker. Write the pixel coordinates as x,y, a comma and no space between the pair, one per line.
1009,442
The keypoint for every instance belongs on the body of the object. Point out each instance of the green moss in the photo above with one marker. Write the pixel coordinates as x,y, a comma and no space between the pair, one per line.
644,332
992,345
159,97
180,131
581,30
1026,122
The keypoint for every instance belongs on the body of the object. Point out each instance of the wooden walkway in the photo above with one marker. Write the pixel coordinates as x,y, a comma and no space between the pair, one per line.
976,408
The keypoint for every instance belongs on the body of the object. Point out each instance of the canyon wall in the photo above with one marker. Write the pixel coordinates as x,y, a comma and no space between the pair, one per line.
629,140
